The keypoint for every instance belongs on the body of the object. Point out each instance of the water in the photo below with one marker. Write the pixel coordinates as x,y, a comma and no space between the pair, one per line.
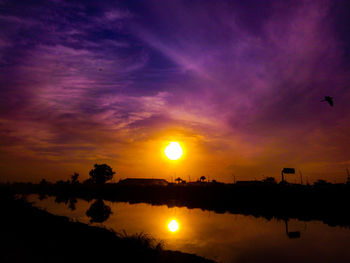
222,237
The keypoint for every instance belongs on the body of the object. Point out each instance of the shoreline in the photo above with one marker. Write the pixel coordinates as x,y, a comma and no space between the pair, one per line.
32,234
326,203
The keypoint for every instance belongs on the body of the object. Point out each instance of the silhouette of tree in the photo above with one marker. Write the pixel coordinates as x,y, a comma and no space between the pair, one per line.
203,178
178,180
101,173
98,212
43,182
88,181
270,180
75,179
62,183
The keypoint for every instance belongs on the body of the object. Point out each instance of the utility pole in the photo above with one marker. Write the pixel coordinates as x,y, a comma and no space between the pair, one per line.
234,178
301,177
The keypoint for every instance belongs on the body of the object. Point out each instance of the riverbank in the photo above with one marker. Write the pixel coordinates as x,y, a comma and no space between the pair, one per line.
29,234
327,203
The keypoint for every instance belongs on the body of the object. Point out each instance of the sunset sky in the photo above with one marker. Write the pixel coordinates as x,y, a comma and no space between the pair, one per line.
237,83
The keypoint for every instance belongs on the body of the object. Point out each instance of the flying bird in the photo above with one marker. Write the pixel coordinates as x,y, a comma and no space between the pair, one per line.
329,99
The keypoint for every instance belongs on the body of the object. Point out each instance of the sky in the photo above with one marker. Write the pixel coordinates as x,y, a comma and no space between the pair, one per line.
238,84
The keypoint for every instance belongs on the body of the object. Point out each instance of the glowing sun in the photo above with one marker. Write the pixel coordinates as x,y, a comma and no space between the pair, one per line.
173,226
173,151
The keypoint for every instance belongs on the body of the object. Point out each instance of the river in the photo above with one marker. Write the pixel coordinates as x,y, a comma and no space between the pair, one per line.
221,237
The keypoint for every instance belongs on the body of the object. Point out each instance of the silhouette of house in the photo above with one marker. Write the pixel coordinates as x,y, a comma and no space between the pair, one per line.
143,181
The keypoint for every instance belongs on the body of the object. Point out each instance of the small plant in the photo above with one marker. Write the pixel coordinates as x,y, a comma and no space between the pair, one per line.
141,240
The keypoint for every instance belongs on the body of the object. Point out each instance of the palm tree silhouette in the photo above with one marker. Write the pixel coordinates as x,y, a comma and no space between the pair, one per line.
178,180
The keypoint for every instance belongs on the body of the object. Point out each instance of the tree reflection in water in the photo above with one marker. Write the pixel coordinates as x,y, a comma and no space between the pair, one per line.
98,212
71,201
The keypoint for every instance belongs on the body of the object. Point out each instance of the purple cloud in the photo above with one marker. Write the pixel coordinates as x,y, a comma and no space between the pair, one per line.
241,83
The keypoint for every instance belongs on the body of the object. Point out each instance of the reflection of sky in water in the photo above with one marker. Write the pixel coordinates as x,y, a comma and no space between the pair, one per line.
224,237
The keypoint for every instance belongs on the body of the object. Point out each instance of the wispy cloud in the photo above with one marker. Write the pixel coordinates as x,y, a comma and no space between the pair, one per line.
240,82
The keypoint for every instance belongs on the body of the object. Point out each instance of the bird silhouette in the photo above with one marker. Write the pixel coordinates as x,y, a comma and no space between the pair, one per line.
329,99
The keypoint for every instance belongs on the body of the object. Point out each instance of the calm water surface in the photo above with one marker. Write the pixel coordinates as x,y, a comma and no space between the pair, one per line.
222,237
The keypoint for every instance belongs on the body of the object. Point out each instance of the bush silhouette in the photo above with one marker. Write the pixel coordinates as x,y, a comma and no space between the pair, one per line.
75,179
101,173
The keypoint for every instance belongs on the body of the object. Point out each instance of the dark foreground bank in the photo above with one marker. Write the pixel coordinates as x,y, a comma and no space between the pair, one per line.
29,234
